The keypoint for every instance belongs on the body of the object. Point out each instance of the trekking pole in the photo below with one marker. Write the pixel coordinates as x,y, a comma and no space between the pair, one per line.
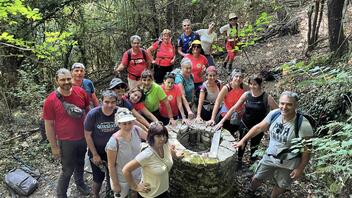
245,53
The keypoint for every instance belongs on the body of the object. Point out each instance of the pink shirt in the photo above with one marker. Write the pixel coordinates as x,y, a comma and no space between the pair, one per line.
164,54
137,63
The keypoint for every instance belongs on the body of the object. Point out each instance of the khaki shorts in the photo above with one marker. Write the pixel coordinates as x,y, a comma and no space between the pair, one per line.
280,175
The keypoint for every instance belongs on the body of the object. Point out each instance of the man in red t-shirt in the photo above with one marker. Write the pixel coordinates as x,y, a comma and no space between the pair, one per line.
136,60
66,133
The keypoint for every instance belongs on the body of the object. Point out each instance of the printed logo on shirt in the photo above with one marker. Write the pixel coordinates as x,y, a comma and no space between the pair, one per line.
280,132
199,65
138,61
170,98
107,127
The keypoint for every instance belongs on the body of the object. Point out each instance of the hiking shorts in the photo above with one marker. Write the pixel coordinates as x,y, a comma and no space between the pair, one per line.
280,175
230,46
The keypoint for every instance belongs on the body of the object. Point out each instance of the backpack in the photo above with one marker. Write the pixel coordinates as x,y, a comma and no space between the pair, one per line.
218,84
21,182
129,55
298,121
178,72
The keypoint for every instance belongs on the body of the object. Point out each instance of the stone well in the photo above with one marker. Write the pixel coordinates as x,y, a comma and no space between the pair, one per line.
203,172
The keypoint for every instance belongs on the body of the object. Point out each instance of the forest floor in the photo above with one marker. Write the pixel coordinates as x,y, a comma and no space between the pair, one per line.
266,55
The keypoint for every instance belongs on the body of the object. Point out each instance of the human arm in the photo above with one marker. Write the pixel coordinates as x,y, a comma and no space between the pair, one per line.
127,172
96,157
180,108
50,134
169,111
258,128
200,104
149,115
140,118
150,51
232,110
174,57
95,100
185,102
298,171
174,153
272,103
217,104
179,50
111,156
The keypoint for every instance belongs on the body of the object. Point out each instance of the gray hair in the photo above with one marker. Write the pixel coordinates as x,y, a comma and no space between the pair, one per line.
185,61
109,94
290,94
63,71
135,37
186,21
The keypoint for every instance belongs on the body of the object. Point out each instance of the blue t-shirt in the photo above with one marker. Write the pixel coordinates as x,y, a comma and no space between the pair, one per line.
102,128
185,41
125,103
88,86
188,85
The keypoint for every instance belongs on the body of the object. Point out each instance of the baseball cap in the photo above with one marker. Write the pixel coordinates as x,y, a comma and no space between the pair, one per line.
123,115
117,81
196,42
232,16
78,65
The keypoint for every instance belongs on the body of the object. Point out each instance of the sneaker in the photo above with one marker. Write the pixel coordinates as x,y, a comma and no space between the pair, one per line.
84,189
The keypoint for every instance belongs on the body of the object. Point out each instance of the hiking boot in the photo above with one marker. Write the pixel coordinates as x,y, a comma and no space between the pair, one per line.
224,64
84,189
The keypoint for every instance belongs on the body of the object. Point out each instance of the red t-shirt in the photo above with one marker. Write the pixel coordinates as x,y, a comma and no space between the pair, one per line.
198,67
66,128
164,54
171,96
232,97
137,63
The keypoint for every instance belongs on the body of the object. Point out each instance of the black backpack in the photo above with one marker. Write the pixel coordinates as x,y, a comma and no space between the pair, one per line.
129,55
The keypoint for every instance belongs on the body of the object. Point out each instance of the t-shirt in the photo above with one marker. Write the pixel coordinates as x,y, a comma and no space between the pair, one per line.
255,109
155,170
153,97
137,106
164,54
232,97
188,85
228,30
199,66
281,135
126,151
207,40
66,127
101,126
172,98
88,86
137,63
185,41
125,103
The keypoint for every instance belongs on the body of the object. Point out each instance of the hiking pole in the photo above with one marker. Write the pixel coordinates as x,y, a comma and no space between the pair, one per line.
245,53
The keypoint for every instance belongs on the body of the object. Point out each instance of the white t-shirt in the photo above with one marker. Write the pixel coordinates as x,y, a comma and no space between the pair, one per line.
207,40
281,136
155,170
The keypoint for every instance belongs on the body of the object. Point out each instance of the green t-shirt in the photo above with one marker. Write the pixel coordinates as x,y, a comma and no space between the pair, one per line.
153,97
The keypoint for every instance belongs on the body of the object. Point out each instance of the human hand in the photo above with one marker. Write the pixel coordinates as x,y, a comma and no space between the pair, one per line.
55,150
210,123
218,126
97,160
153,61
199,119
186,121
239,144
296,173
172,61
142,187
116,187
190,115
172,122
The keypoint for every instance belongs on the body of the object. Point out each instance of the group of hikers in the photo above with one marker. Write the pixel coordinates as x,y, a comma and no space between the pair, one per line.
138,110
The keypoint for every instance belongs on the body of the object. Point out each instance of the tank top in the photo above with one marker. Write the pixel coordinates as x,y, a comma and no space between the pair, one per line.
233,95
254,110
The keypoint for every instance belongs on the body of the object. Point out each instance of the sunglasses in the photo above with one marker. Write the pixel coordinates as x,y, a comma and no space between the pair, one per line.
186,25
196,46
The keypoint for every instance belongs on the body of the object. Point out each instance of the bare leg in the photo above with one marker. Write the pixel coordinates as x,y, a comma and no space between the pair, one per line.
277,191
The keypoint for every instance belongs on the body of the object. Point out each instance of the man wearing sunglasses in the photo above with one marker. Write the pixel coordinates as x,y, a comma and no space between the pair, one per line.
279,162
186,38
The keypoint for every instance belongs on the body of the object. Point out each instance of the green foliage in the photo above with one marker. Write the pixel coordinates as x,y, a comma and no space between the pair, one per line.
9,9
332,160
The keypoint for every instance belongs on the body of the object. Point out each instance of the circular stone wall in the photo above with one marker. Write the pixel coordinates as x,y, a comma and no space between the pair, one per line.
198,174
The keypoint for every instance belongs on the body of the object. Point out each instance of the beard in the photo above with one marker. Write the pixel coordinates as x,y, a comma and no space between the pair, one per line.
66,86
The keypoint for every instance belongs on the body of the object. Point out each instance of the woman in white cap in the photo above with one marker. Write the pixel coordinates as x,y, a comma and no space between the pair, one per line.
123,146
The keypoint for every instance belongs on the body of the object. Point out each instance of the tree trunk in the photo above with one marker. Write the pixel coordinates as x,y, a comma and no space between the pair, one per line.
337,39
